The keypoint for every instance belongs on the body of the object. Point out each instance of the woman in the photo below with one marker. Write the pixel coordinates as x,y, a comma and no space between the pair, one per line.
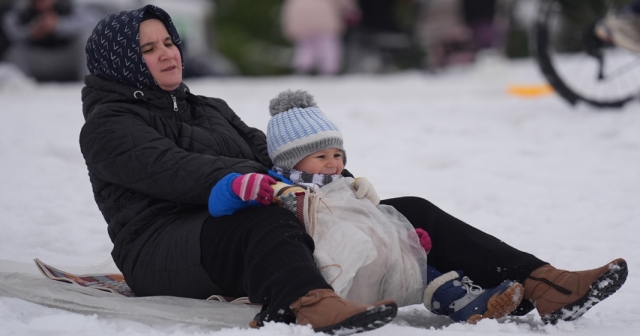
155,151
47,37
156,155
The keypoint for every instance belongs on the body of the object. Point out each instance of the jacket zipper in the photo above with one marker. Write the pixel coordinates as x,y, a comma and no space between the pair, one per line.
175,103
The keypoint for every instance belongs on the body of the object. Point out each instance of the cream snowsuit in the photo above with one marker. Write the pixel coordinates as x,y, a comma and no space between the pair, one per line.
367,253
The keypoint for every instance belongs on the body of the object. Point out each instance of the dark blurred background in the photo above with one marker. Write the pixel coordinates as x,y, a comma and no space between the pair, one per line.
278,37
389,35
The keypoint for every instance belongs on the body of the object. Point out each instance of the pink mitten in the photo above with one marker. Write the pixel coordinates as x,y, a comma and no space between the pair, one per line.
254,186
425,240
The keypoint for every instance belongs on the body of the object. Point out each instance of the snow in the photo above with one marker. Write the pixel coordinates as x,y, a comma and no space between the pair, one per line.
562,183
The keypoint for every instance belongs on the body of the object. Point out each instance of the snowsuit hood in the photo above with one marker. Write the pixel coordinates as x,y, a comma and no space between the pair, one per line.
113,48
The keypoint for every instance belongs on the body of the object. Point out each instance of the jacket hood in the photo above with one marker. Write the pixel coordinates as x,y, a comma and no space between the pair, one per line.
113,48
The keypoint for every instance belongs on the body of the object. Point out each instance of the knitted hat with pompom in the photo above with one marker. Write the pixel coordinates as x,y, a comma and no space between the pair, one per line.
298,128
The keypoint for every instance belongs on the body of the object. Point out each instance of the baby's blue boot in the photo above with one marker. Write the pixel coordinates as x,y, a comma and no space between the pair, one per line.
456,296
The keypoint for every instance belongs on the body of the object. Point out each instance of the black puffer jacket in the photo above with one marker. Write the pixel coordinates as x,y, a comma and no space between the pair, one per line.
153,158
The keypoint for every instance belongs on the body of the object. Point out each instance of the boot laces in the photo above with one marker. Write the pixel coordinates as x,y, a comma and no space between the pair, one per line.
470,287
473,291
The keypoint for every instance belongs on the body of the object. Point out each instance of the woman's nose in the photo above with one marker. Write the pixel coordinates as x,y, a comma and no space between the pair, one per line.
165,53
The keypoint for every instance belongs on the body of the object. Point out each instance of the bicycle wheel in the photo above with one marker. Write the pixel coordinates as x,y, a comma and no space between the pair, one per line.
579,66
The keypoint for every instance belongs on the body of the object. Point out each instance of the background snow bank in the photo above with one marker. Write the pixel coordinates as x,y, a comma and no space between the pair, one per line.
561,183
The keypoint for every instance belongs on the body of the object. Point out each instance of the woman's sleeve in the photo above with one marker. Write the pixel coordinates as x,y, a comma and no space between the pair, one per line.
121,148
257,136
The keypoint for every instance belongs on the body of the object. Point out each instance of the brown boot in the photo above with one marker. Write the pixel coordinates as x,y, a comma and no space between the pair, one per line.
326,312
564,295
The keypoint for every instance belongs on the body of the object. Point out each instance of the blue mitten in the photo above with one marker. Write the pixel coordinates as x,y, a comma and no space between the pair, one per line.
223,201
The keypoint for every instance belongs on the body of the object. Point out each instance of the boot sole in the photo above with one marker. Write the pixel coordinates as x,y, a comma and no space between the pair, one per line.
602,288
371,319
501,305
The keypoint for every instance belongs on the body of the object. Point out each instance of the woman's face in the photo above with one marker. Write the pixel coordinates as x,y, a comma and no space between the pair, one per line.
328,162
161,55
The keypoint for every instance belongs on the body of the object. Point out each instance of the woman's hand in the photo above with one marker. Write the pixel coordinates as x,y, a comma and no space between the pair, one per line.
364,189
254,186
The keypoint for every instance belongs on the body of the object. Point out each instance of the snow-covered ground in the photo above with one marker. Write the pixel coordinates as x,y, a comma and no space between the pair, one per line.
562,183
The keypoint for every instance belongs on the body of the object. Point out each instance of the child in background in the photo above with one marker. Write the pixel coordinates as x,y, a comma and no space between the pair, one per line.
621,27
365,250
316,28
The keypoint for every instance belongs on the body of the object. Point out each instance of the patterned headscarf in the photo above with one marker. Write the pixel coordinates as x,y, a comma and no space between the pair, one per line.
113,49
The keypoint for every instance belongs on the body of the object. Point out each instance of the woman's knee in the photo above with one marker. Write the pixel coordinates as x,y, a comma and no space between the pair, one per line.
407,203
261,221
248,222
272,215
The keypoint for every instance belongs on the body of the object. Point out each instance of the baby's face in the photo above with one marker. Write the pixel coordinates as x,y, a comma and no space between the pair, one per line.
328,162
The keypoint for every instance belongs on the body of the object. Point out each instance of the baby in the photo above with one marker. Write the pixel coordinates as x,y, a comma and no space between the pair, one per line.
367,251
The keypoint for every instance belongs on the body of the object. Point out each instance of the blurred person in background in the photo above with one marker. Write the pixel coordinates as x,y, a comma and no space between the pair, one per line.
47,38
378,15
446,37
384,40
454,31
621,27
316,28
480,17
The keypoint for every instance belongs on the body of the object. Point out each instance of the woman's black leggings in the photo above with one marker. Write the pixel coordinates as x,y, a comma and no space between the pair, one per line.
458,246
264,252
